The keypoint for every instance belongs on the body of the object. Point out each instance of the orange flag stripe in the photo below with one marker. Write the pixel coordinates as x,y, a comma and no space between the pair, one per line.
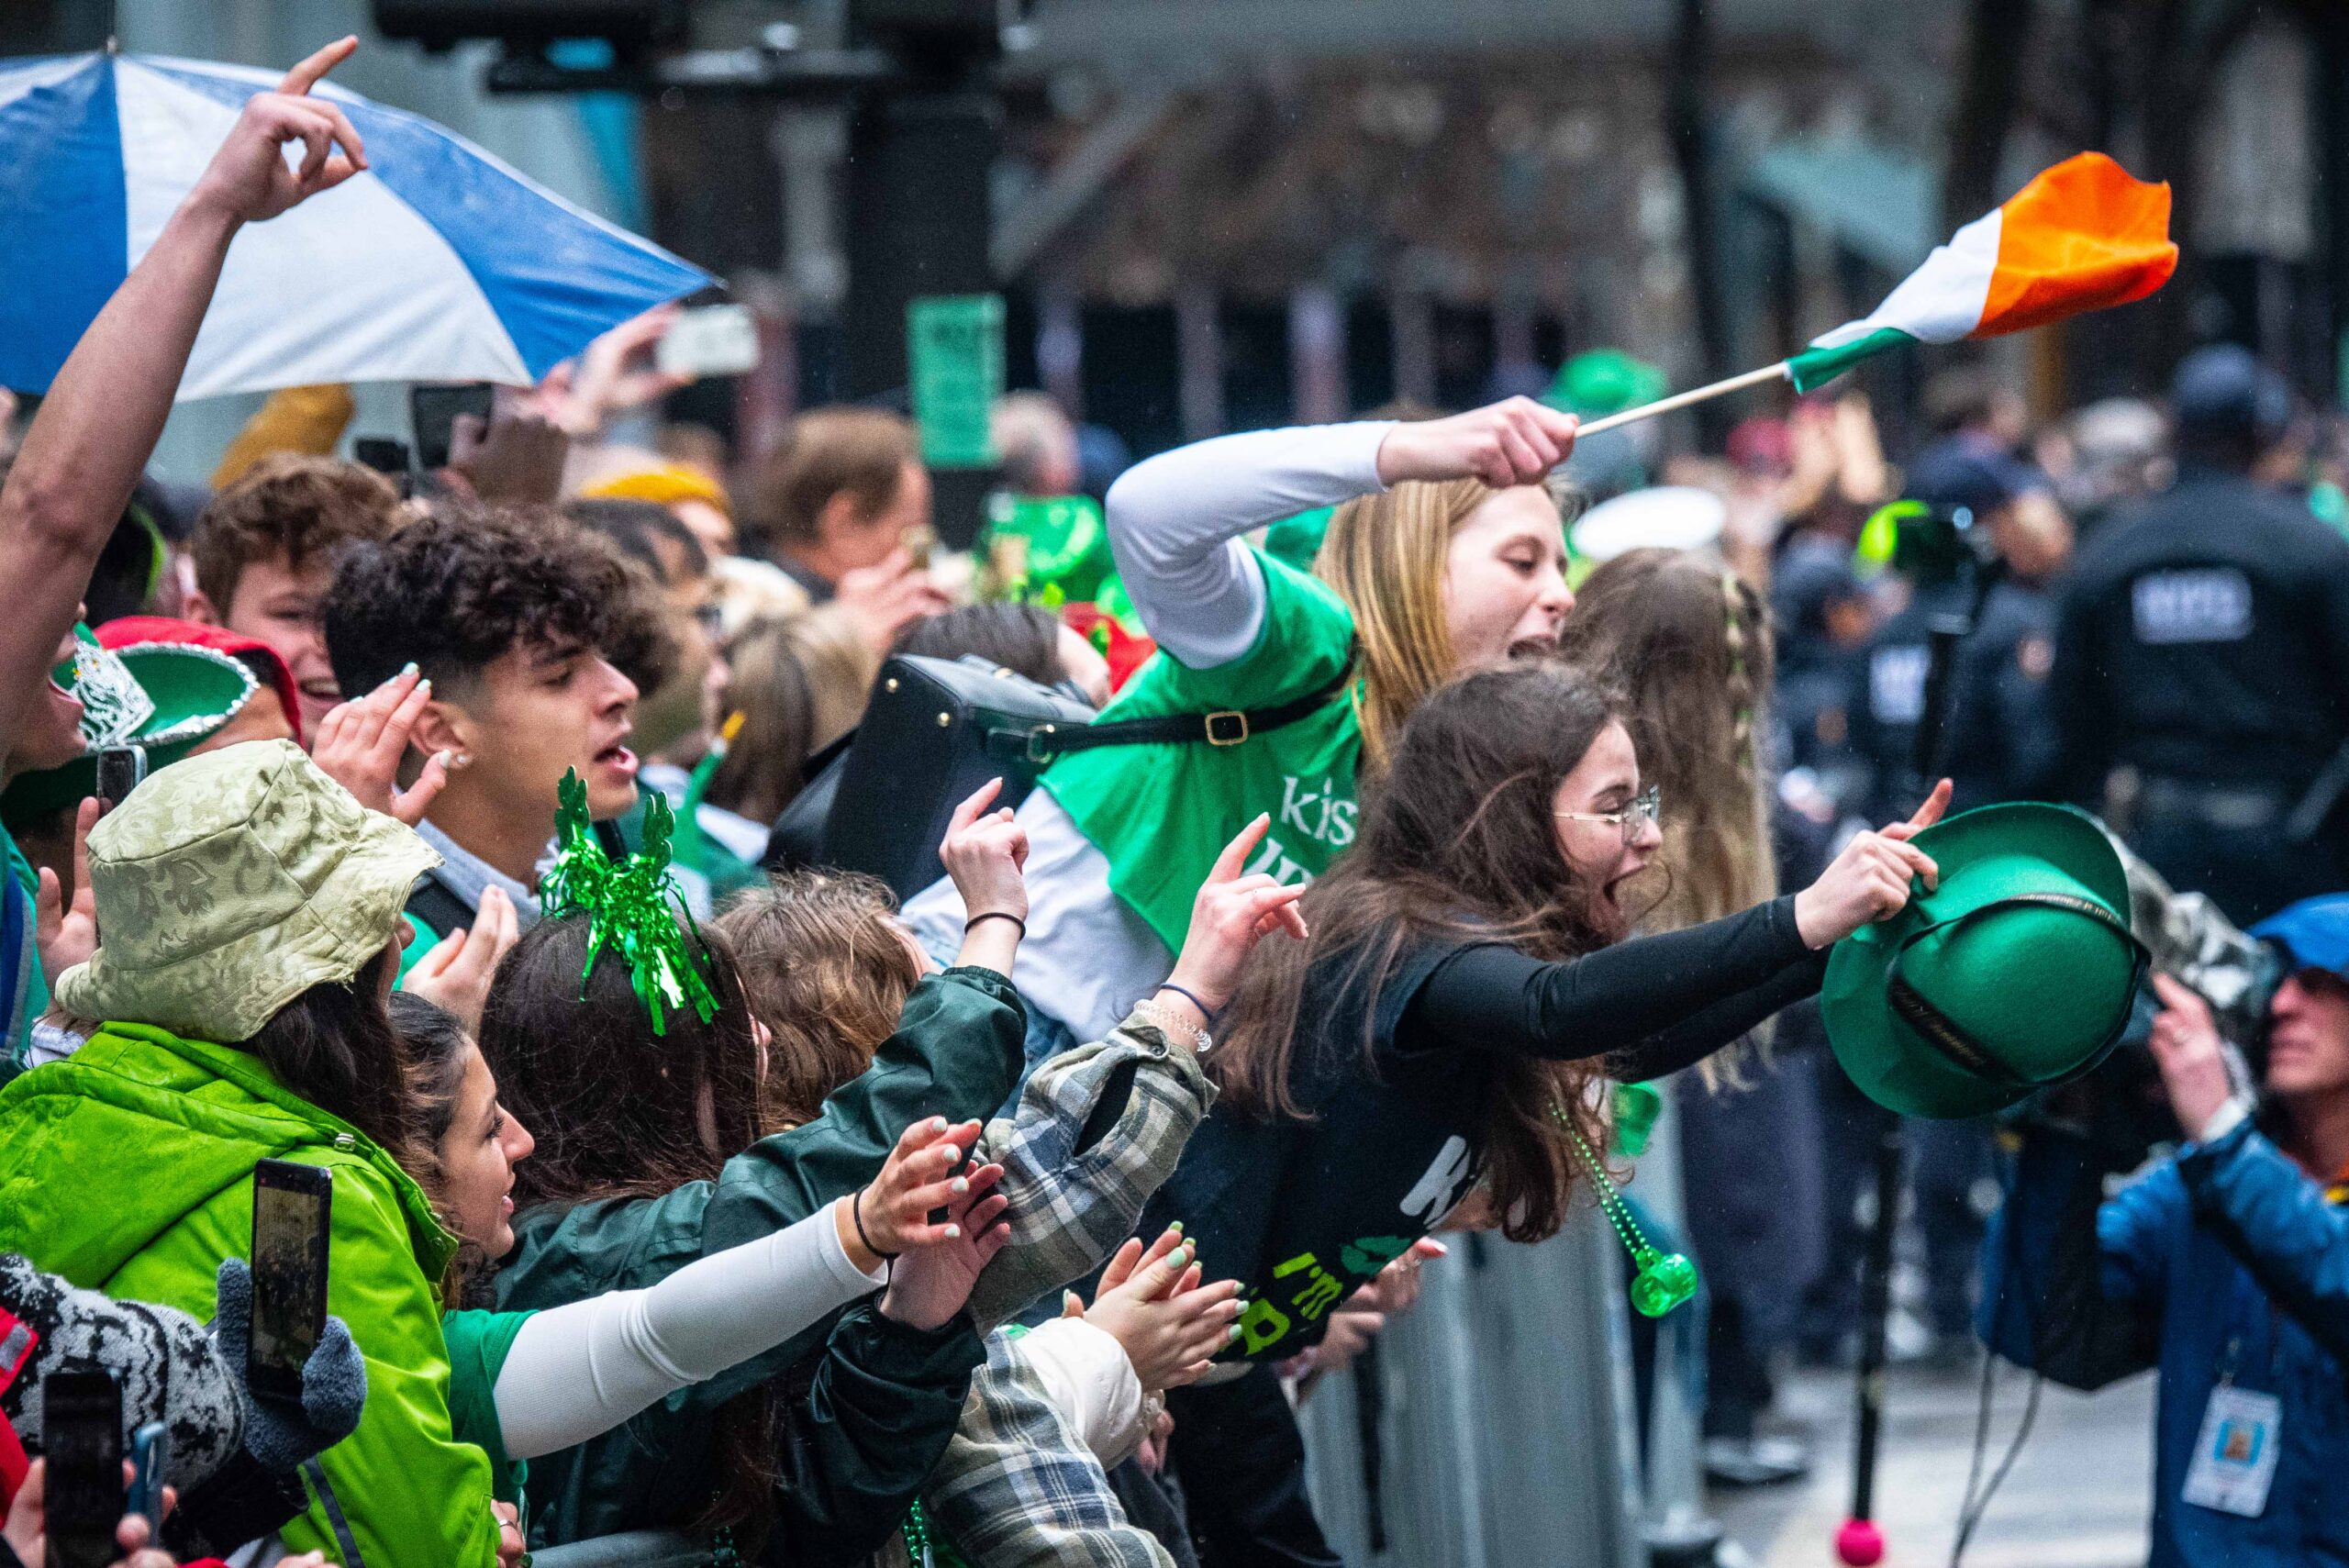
2083,235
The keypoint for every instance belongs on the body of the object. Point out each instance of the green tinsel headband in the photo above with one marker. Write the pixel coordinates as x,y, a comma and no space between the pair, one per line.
628,906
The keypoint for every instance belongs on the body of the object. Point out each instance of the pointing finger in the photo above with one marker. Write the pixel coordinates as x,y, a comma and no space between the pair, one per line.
1235,854
304,76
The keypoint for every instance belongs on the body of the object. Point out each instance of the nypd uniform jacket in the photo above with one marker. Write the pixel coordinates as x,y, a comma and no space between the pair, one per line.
2204,639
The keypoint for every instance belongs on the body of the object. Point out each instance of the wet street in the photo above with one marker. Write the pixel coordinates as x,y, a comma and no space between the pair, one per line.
2077,1497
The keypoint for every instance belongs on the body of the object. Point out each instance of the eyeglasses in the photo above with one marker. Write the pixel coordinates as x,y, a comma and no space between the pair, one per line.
1646,807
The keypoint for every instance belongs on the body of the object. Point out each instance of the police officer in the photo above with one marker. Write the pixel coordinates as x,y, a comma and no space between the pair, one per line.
2202,643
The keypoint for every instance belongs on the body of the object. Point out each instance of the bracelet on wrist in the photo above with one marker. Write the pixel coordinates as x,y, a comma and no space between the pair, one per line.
997,915
856,1213
1197,1038
1212,1015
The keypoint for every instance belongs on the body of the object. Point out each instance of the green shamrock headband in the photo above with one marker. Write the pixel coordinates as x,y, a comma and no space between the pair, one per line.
628,906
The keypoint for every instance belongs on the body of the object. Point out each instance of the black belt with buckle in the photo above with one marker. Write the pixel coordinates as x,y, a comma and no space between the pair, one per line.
1225,727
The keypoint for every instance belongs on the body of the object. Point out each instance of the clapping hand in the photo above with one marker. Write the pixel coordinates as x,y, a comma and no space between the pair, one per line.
1869,880
1152,1304
892,1213
932,1282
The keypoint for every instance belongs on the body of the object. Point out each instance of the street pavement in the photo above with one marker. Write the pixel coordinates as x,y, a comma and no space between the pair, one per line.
2077,1497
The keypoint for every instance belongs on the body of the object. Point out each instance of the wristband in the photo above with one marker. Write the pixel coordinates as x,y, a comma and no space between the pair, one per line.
997,915
856,1213
1210,1014
1200,1041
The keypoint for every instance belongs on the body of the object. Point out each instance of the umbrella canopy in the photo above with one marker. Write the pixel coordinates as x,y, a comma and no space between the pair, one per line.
437,263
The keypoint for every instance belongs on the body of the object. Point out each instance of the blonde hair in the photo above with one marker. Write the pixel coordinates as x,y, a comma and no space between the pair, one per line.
800,682
1386,555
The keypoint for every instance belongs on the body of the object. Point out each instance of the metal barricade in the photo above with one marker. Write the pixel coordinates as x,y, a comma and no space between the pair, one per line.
1504,1417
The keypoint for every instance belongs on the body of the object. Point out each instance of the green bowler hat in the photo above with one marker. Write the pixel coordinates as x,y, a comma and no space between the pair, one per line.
2017,972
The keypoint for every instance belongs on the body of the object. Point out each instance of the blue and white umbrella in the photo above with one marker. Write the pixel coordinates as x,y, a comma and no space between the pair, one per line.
438,263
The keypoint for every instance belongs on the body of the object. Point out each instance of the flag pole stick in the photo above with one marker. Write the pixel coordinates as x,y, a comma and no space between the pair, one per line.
1683,399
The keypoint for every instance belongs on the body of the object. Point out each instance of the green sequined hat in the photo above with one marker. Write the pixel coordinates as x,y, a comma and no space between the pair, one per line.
632,906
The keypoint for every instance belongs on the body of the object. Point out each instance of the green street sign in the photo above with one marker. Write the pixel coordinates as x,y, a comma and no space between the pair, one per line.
954,350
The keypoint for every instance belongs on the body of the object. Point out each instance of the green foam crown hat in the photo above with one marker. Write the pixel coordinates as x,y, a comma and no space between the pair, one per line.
168,697
2016,973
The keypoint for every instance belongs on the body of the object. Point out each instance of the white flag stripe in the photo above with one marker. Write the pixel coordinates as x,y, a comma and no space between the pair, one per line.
1941,301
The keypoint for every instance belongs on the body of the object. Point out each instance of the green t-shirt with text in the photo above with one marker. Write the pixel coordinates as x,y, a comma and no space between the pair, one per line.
1160,813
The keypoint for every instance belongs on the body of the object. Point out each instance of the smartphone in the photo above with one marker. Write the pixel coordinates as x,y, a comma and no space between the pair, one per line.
292,1207
383,454
81,1435
717,340
150,1456
121,768
432,410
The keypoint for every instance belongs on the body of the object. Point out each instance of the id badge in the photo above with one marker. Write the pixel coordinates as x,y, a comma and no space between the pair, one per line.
2235,1459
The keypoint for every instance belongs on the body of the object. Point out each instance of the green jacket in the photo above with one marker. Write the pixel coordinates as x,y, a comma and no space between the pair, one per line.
956,1054
129,1169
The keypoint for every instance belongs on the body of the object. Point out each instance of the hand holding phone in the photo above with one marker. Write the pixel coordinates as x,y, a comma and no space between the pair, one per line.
292,1206
717,340
433,410
121,768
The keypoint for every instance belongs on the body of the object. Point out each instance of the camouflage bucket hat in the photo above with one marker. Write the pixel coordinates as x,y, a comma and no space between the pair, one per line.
230,883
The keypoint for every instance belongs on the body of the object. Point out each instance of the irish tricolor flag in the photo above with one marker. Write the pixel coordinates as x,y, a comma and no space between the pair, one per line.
2080,237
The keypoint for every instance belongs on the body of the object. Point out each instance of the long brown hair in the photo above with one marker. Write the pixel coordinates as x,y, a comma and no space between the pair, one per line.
1688,641
620,1112
828,974
1457,839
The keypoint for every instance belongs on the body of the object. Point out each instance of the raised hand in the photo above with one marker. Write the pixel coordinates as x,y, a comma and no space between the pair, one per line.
2185,1043
247,180
892,1213
361,744
1517,441
1869,880
1170,1325
987,854
68,934
453,974
932,1282
1230,916
879,600
618,373
516,457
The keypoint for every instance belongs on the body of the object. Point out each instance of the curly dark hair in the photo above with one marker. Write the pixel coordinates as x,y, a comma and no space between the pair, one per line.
460,589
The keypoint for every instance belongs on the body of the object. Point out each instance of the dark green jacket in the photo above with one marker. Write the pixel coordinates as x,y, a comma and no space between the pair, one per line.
864,1420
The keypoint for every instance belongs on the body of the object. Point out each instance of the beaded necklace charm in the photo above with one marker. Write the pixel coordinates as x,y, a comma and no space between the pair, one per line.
1664,1279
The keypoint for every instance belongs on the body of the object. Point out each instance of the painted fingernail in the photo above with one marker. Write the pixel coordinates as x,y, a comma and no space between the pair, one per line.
954,1233
1176,1228
1232,1334
959,1186
937,1123
408,668
425,685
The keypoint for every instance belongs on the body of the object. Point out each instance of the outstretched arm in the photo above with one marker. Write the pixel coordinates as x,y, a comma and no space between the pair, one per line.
103,414
1175,520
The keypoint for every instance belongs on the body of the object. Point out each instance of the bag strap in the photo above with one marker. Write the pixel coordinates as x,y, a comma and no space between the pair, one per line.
1226,727
1944,1033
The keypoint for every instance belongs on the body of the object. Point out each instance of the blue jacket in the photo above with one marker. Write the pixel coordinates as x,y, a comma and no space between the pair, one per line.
2228,1253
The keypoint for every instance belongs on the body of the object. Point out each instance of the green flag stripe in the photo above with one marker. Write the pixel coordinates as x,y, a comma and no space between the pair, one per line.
1814,368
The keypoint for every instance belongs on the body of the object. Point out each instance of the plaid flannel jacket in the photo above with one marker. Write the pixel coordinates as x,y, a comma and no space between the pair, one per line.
1069,1209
